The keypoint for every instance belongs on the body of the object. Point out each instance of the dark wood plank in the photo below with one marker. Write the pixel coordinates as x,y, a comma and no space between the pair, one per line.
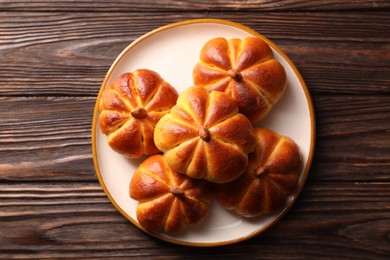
187,5
49,138
336,220
46,139
68,54
347,128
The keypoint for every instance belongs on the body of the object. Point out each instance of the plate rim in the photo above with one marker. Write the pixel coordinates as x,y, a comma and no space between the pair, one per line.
312,132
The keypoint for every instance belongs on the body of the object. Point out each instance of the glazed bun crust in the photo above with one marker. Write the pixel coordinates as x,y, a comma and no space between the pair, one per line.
130,108
205,137
271,177
244,69
168,201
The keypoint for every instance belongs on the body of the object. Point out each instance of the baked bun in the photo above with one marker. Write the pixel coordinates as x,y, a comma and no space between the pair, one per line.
271,177
244,69
168,201
130,108
205,137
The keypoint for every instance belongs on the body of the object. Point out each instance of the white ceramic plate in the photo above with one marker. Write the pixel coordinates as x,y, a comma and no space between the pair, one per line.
172,51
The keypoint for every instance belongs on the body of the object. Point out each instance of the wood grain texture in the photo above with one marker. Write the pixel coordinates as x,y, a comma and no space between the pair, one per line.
353,137
68,54
46,139
191,5
53,58
40,220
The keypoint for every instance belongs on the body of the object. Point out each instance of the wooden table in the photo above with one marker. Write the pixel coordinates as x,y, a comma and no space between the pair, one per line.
53,58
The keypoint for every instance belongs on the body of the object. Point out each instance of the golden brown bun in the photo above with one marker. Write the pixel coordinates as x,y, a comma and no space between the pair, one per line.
130,108
168,201
244,69
204,136
272,176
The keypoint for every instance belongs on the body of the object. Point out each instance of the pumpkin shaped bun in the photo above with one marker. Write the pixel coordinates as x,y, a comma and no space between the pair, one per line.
168,201
244,69
130,108
205,137
271,177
